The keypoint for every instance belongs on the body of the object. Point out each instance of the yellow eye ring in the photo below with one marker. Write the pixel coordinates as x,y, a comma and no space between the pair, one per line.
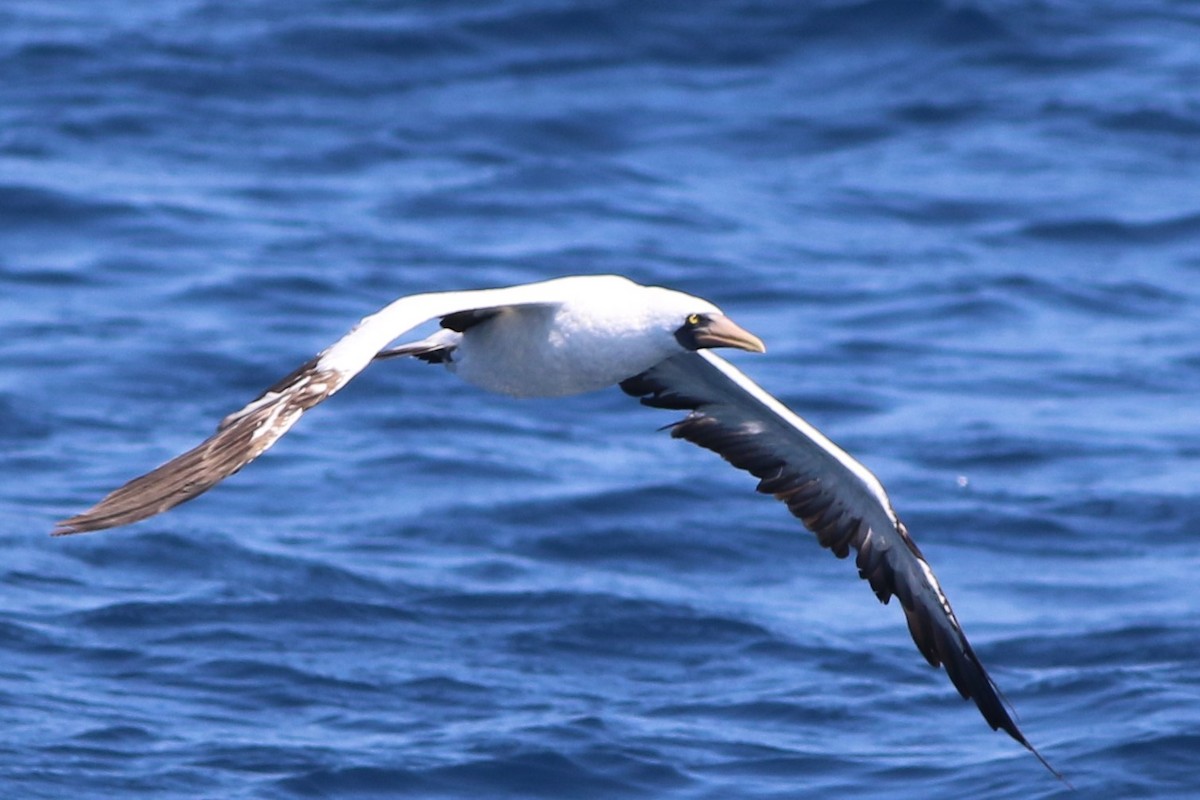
693,319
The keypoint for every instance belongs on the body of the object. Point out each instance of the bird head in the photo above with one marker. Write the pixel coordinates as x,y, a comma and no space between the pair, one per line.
695,323
708,329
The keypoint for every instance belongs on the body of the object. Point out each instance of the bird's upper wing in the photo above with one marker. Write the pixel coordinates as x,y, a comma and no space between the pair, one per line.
837,498
247,433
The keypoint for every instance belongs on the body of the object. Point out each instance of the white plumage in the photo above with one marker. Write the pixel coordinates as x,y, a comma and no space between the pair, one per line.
548,339
582,333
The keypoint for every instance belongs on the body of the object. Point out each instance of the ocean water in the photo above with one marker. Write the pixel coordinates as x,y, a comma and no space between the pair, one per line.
968,231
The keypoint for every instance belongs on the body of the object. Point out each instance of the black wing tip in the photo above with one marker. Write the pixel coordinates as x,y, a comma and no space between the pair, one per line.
1009,726
997,711
1042,760
1016,734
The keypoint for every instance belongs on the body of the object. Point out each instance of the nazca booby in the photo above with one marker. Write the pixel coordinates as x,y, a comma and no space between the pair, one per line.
581,333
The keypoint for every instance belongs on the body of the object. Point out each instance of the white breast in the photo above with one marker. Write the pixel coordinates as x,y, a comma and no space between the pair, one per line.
550,351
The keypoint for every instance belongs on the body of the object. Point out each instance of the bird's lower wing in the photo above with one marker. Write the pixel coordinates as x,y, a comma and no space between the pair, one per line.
837,498
247,433
241,437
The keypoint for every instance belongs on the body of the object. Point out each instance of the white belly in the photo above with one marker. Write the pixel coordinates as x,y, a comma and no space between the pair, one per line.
550,352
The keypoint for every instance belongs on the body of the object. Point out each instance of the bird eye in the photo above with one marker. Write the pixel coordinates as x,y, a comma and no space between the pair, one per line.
693,319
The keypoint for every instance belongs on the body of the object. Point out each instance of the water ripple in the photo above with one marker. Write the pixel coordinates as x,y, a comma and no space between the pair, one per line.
966,231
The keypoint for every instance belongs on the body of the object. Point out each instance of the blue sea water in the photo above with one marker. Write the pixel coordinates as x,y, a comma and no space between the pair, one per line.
968,231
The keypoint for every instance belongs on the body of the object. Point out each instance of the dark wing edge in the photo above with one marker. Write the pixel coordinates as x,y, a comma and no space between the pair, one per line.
834,496
240,438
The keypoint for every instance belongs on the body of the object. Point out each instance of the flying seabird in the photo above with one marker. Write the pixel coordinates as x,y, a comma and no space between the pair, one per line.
582,333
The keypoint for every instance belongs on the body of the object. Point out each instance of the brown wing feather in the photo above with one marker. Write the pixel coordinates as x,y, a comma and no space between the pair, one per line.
240,438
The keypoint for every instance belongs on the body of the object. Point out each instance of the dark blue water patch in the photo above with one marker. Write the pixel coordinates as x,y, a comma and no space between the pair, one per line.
1150,644
1005,303
32,65
1186,366
1107,232
313,323
924,210
22,580
26,638
130,125
533,773
799,712
116,737
680,637
203,634
528,772
1175,752
575,37
1052,55
358,41
1117,297
51,277
161,621
495,570
1158,518
373,55
1158,382
1002,524
303,292
831,404
872,340
61,773
793,135
116,661
441,691
23,206
291,577
931,113
799,768
885,20
1181,123
551,207
354,781
987,447
289,192
644,549
275,688
20,423
642,768
531,606
644,529
256,763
